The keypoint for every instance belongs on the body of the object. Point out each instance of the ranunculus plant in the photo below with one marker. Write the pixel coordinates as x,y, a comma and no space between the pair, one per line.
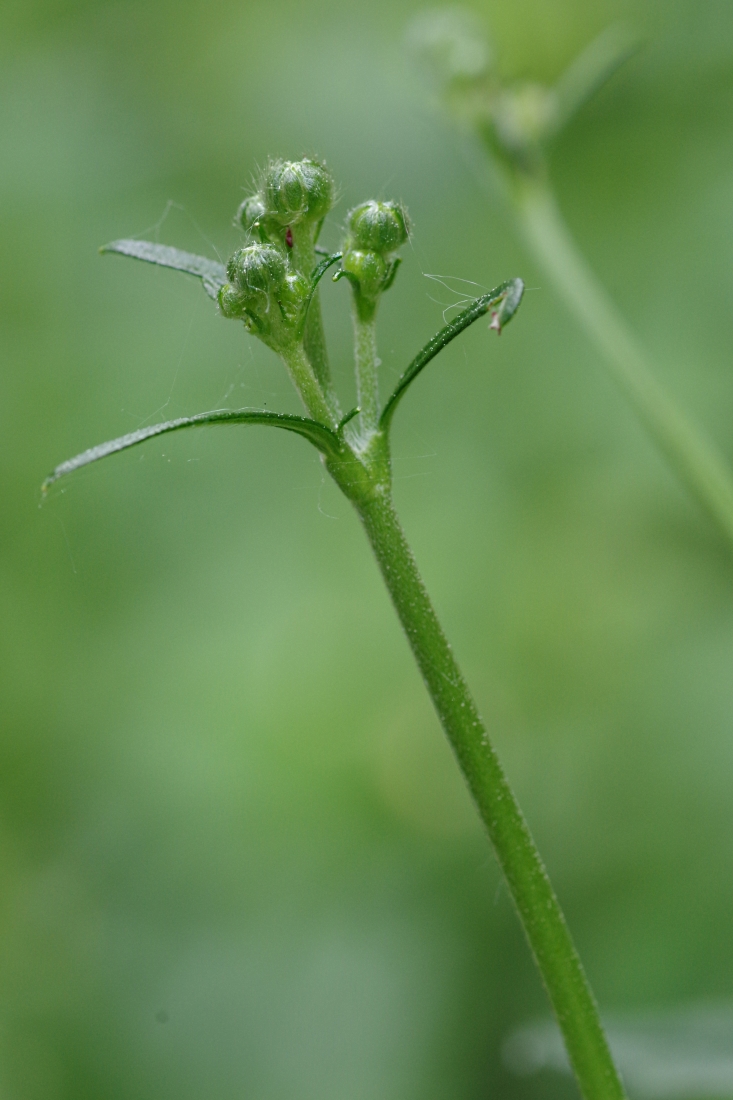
271,284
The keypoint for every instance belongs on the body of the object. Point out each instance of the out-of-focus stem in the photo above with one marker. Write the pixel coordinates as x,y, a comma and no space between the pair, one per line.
695,459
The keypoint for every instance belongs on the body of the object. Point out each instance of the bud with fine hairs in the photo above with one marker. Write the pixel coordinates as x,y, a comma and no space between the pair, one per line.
266,294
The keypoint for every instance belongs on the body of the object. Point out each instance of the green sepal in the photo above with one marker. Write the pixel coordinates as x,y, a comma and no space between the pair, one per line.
367,271
330,258
341,274
212,274
502,302
319,435
392,272
348,417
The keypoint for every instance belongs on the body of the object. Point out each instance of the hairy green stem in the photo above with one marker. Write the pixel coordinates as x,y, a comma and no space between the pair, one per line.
530,887
304,259
695,459
320,405
315,345
367,381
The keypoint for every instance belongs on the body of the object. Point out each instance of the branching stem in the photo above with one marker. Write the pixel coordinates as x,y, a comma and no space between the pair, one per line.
319,404
360,465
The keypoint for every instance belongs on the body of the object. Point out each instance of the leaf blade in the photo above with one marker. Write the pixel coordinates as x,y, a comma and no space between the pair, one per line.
506,297
319,435
316,275
212,273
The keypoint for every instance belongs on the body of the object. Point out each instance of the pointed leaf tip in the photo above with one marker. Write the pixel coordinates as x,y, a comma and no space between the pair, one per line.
212,273
504,299
349,416
319,435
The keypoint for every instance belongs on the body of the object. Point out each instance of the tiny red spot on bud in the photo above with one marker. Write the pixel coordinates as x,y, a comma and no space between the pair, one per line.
289,237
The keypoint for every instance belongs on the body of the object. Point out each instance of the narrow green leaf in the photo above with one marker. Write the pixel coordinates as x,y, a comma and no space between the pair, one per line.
502,303
321,268
317,274
318,434
346,419
211,272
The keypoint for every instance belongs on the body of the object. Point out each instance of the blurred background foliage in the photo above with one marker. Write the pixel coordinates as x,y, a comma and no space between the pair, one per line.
237,858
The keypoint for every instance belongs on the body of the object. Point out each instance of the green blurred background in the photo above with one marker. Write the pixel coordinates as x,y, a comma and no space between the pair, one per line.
237,858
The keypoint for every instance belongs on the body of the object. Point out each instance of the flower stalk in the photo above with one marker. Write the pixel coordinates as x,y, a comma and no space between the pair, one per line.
367,371
376,230
318,401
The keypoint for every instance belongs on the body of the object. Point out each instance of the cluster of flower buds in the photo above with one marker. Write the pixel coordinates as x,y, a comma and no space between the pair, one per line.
375,231
270,279
265,293
289,207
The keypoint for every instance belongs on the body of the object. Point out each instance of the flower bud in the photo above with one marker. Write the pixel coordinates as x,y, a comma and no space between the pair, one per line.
265,294
251,215
366,270
376,231
256,269
230,302
378,226
297,191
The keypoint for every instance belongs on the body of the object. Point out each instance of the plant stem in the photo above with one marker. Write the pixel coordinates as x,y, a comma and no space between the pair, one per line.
319,405
304,259
530,887
315,344
367,380
697,462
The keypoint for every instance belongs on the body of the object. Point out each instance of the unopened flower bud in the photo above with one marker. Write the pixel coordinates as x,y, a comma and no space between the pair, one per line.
230,302
378,226
251,215
366,270
296,191
375,231
265,294
257,269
